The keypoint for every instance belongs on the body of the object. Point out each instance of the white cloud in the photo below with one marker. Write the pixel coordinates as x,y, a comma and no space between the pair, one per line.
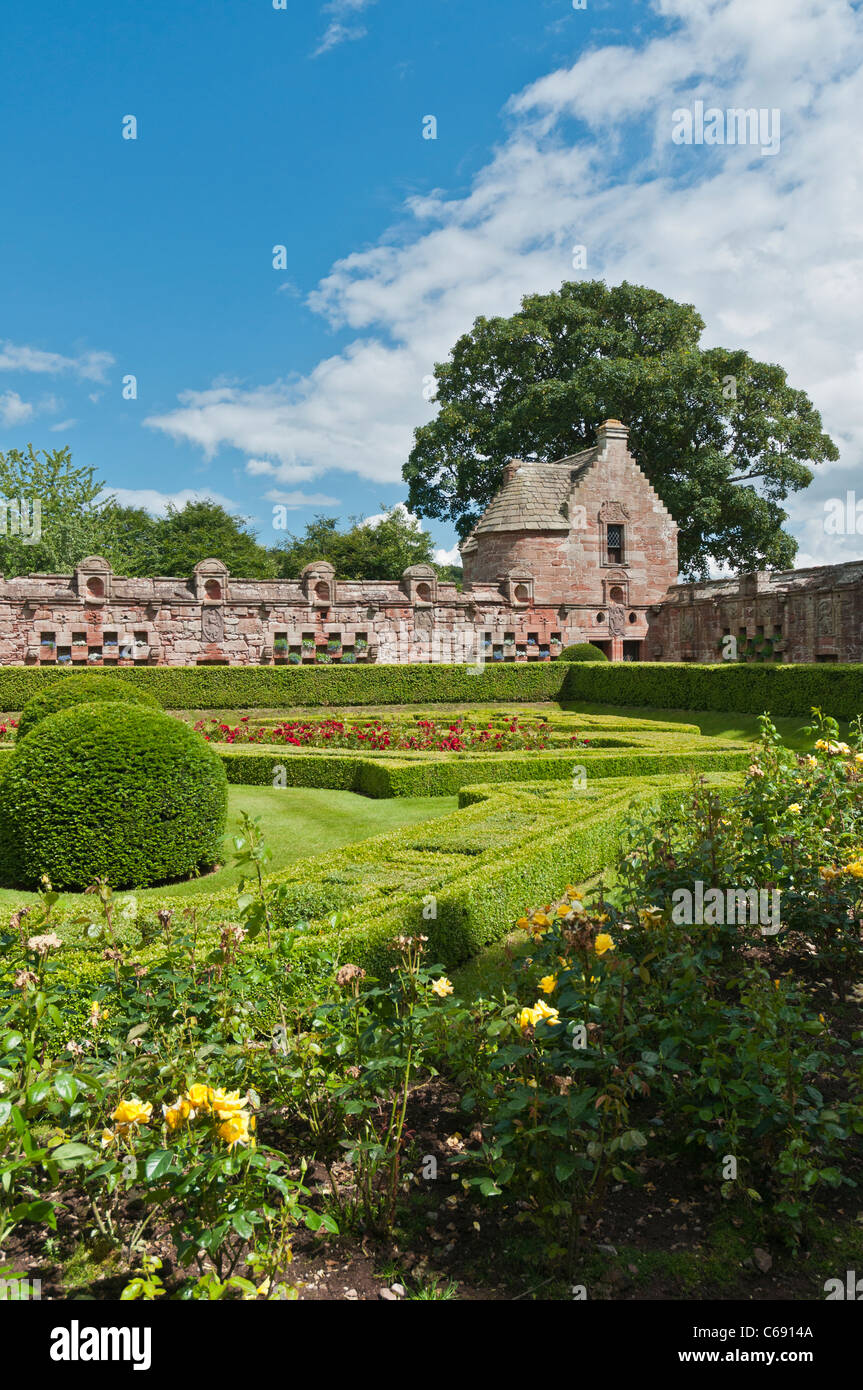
448,557
340,29
13,410
768,249
89,366
63,425
378,517
157,502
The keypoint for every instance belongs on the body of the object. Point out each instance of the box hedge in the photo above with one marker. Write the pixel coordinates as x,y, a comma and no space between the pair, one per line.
738,687
436,774
112,791
81,690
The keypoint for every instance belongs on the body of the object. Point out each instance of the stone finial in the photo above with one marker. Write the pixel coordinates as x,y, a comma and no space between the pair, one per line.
612,429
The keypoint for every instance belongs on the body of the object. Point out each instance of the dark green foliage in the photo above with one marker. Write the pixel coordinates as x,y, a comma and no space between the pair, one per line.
731,686
382,551
111,791
723,438
582,651
80,690
743,688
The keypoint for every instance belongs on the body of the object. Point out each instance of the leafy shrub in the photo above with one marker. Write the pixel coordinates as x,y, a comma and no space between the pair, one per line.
729,686
582,651
80,690
111,791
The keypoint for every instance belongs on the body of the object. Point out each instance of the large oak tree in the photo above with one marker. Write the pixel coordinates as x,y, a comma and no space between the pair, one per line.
723,438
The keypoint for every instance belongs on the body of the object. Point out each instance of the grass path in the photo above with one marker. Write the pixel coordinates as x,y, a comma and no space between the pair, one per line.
297,822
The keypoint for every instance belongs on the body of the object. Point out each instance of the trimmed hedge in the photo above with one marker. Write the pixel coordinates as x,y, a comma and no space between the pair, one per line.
738,687
112,791
582,651
287,687
462,880
438,775
80,690
741,688
567,839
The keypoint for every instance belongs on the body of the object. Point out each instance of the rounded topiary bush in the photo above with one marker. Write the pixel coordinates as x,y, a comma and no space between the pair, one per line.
111,791
80,690
582,651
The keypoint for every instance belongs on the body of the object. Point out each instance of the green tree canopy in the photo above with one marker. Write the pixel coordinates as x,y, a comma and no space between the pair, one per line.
382,550
200,530
67,525
723,438
75,523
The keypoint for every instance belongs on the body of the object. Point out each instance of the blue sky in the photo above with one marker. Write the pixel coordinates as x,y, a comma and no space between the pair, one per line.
303,127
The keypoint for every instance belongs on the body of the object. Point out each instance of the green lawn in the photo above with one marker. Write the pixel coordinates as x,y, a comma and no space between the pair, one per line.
297,822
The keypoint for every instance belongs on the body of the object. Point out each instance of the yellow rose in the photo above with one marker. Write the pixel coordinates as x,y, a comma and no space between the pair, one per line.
548,984
442,987
199,1096
227,1104
540,920
564,910
524,923
175,1114
603,943
527,1019
545,1014
794,808
235,1130
132,1112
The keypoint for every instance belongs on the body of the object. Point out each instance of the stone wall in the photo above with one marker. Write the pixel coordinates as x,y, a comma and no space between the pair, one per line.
580,549
796,615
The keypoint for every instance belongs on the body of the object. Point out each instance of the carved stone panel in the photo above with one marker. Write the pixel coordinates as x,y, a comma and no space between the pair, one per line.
212,625
825,617
617,620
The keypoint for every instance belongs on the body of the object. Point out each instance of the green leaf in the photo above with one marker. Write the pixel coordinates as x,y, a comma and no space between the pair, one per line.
71,1155
66,1086
157,1164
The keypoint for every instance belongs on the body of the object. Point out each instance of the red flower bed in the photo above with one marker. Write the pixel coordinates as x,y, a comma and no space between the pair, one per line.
372,735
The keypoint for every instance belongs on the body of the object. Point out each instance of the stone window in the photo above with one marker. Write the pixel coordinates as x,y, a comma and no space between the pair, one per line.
109,639
48,639
213,589
521,593
614,544
424,592
79,639
616,595
322,592
633,617
96,586
600,617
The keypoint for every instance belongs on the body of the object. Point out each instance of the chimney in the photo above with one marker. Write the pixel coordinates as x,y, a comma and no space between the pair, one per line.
611,429
510,468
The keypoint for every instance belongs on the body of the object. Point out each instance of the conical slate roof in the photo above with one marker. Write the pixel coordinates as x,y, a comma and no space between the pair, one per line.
536,496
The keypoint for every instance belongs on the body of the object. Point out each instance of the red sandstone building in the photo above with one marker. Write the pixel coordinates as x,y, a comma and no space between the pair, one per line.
579,549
